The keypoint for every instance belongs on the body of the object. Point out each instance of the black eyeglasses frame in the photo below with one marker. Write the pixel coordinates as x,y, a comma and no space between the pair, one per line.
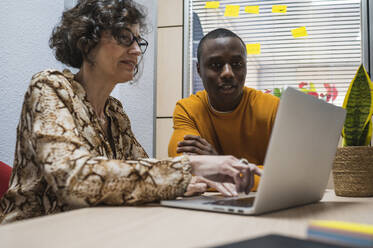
141,42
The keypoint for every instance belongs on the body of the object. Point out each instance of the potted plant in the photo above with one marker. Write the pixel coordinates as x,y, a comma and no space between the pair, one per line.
353,165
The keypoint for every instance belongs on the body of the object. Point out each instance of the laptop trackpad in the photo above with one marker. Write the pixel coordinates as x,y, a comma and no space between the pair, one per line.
240,202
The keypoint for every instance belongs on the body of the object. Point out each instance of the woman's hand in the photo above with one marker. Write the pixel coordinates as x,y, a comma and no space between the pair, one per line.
227,174
200,185
195,145
196,186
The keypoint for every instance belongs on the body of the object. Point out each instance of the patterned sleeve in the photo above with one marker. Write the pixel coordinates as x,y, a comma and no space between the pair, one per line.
78,177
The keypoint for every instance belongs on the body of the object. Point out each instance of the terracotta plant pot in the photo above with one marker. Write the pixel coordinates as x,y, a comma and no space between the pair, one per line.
353,171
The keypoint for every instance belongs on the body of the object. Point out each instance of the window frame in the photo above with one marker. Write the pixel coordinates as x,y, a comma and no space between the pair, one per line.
366,14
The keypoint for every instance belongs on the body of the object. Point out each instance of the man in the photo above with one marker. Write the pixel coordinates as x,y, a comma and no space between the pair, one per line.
226,118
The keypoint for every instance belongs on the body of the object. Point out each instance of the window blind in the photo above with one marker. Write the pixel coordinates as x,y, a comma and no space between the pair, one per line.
322,64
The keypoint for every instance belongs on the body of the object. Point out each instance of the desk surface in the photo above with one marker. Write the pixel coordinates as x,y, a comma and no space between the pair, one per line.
155,226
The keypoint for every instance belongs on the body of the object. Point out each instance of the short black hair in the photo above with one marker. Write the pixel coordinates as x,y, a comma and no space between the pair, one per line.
214,34
80,28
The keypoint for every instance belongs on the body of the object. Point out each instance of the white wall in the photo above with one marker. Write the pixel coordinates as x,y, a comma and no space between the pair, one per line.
25,28
138,98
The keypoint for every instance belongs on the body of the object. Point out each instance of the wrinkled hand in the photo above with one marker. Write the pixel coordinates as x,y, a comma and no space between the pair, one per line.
196,186
200,185
195,145
227,174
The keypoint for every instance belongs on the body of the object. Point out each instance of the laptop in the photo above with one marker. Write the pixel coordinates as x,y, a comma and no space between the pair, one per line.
298,161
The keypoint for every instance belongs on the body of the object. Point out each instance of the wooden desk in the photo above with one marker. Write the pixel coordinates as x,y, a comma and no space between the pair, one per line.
155,226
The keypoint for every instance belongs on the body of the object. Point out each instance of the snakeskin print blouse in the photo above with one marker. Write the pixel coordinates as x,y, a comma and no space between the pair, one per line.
63,159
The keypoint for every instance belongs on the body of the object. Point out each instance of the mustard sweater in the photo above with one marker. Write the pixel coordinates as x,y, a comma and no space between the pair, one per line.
243,133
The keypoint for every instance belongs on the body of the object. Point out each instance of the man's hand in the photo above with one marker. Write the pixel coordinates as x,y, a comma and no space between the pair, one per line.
195,145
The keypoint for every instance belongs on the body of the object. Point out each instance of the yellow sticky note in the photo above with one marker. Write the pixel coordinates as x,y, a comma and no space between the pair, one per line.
232,10
253,48
212,5
279,8
344,226
252,9
299,32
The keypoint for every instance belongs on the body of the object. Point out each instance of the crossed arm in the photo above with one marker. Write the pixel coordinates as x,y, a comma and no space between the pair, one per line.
186,139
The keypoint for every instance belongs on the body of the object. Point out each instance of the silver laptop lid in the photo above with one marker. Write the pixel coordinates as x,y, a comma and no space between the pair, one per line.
301,151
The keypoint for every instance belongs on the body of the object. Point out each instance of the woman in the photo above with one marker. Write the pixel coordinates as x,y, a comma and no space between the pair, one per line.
75,147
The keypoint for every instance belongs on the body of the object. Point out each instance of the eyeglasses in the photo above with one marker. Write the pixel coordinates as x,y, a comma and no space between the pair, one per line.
126,38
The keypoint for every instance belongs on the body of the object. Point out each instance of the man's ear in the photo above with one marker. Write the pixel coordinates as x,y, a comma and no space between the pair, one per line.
198,68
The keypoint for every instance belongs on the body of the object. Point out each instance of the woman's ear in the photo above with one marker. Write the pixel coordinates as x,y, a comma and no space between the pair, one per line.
86,50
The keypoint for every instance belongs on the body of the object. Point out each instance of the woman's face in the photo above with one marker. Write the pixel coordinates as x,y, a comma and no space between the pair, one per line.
114,61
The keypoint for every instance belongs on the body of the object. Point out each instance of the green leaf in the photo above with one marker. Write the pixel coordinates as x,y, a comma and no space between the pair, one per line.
366,135
359,105
277,92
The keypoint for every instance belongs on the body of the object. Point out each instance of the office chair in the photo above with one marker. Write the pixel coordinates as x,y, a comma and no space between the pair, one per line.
5,173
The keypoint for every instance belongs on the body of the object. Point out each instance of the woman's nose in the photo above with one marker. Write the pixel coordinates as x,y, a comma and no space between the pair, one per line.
135,49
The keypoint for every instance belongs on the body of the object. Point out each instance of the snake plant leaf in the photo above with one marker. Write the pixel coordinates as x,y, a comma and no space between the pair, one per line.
358,102
366,135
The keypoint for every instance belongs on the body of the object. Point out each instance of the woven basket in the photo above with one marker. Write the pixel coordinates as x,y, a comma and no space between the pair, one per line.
353,171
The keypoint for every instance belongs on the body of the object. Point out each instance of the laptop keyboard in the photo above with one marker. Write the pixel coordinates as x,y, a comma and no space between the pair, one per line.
241,202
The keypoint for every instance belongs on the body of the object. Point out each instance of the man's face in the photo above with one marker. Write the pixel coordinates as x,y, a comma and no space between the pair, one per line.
222,68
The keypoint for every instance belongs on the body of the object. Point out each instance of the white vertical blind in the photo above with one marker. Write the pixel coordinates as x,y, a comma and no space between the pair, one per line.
322,63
